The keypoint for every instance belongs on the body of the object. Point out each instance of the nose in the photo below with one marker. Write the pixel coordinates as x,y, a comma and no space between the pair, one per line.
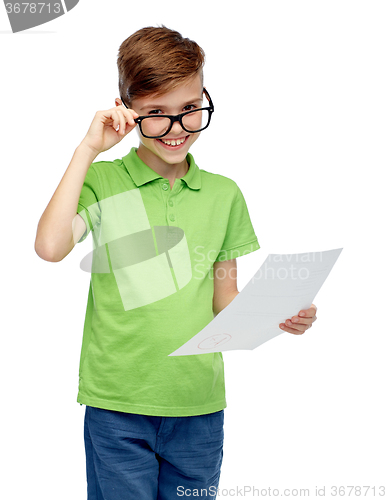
176,128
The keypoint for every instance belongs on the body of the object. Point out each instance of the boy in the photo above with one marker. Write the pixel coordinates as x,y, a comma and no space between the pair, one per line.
166,236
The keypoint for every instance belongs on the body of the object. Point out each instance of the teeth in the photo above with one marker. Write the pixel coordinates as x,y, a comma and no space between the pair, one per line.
174,143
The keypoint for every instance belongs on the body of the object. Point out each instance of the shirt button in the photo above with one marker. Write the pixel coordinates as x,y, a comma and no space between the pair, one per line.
170,203
165,187
172,217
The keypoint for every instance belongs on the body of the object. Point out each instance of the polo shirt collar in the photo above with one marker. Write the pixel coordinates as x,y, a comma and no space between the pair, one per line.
141,173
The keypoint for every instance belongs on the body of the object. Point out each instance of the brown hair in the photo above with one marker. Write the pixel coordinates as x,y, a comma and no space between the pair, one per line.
155,60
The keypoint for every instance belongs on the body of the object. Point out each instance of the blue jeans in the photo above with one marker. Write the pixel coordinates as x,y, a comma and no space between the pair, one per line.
141,457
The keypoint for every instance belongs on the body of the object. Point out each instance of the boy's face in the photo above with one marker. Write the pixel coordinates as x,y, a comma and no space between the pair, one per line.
186,97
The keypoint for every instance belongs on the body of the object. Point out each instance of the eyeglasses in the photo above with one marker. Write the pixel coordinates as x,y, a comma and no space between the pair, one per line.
157,126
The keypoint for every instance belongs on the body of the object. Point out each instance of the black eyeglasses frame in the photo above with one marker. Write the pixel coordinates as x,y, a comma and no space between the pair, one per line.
177,118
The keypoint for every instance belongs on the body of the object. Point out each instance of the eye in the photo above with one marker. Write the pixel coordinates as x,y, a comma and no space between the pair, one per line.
189,107
155,112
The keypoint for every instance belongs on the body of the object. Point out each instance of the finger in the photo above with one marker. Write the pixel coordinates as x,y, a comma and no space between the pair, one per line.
116,119
302,321
291,330
308,313
122,118
296,326
130,115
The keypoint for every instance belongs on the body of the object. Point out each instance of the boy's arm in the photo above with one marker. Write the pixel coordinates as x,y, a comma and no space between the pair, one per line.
79,228
60,227
225,284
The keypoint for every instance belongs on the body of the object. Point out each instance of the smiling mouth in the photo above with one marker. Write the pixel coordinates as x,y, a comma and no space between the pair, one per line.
173,143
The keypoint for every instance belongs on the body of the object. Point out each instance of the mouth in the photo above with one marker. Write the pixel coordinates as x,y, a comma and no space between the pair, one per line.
173,144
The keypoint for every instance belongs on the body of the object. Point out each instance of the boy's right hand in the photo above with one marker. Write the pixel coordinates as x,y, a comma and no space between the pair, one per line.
103,135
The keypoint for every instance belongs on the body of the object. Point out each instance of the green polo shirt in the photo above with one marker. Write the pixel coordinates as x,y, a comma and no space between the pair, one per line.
152,283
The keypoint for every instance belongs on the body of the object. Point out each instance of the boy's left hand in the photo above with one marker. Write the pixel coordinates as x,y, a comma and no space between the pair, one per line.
298,324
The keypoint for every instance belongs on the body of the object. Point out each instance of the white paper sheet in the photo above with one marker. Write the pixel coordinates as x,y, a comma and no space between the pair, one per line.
282,286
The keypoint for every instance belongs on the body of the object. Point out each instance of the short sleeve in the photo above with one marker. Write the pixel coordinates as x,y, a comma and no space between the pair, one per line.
240,238
88,206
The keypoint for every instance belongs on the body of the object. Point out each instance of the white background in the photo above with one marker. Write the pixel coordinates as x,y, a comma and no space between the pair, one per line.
299,89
